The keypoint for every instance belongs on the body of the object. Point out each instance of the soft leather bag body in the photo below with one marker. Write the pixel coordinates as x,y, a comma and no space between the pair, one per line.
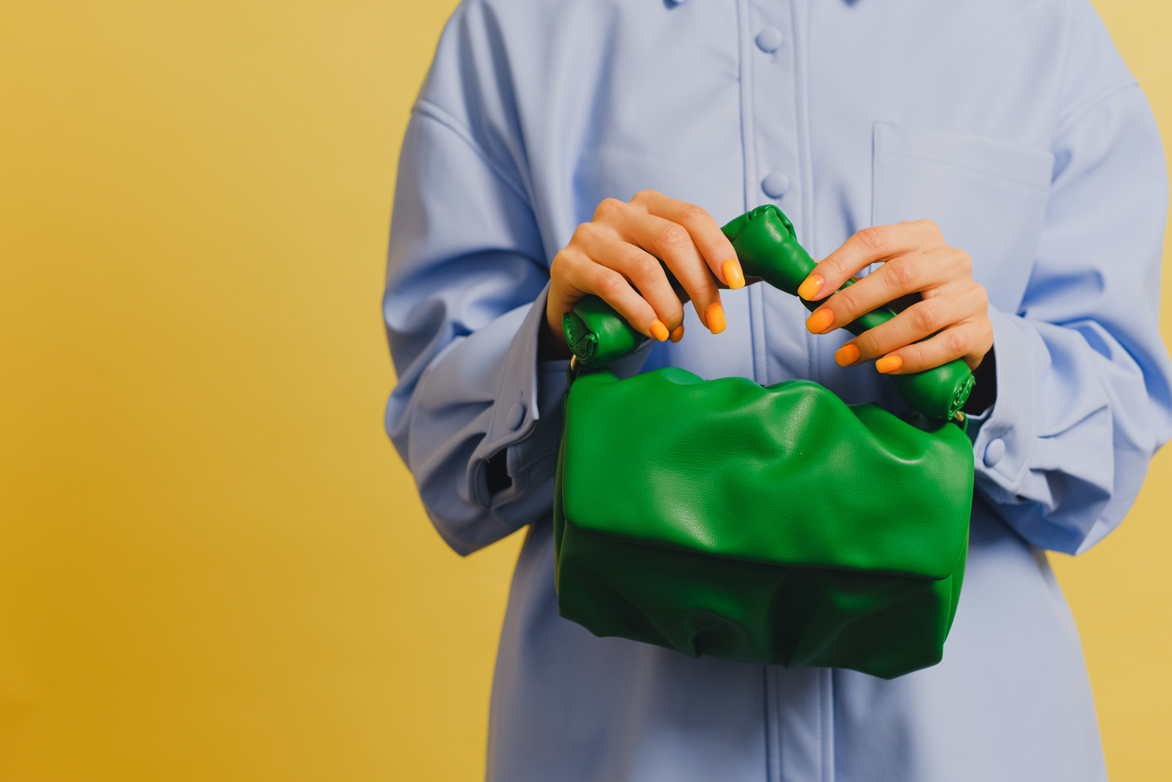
773,525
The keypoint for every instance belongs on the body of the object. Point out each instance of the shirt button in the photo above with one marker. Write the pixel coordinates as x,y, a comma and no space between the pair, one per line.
769,40
775,184
994,451
516,416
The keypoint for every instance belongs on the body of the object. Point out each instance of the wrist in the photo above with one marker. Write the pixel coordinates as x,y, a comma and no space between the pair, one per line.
984,394
551,344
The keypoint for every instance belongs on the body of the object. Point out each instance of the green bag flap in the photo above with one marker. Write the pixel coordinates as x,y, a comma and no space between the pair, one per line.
736,470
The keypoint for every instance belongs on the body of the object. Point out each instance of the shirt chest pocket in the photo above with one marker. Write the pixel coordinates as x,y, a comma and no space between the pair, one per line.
988,197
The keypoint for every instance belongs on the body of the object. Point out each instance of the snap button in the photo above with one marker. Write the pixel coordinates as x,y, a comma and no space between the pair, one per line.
994,451
775,184
516,416
769,40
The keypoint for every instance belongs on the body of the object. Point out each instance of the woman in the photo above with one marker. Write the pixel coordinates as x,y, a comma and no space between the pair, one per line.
1016,177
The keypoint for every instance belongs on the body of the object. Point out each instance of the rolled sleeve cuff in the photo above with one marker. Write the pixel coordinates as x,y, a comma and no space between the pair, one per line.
519,402
1005,439
525,427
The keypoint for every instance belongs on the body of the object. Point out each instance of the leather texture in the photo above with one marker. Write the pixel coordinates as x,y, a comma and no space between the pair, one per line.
726,466
773,525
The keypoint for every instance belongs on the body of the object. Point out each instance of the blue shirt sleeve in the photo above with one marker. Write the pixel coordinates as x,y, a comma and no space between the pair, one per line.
1083,395
473,415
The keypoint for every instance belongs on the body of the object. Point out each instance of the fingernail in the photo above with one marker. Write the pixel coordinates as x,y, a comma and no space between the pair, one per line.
733,274
820,321
659,331
810,286
678,334
715,317
846,355
888,364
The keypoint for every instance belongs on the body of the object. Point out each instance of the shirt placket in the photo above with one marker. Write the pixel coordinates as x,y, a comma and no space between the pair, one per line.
777,171
799,703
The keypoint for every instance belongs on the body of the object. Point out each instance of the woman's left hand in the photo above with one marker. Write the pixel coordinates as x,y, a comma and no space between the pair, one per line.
915,258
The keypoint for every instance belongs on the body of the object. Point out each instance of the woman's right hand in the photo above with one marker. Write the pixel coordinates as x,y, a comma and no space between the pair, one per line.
616,256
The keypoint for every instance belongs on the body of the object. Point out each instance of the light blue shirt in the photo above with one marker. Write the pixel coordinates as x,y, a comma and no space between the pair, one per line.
1014,125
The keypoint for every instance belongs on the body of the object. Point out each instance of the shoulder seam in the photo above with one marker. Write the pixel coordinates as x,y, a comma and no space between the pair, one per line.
429,110
1092,103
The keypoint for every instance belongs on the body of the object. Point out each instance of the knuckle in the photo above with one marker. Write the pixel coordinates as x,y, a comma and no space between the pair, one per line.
609,285
672,236
925,316
608,207
902,274
954,343
583,232
639,265
643,196
557,266
693,213
845,301
873,238
931,228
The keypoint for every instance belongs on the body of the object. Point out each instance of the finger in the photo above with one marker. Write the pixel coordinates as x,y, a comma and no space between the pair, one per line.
895,279
919,321
967,340
612,287
868,246
715,248
674,245
643,271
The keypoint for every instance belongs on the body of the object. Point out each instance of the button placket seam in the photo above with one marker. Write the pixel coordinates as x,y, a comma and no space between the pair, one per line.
749,162
802,156
799,39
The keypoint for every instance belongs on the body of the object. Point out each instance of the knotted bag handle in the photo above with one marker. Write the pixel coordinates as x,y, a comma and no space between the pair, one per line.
767,247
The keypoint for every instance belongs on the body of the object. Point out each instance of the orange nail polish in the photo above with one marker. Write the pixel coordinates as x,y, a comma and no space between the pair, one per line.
659,331
810,286
820,321
889,364
846,355
733,274
715,317
678,334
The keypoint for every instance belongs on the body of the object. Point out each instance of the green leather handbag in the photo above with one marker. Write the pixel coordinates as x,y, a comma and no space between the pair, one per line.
774,525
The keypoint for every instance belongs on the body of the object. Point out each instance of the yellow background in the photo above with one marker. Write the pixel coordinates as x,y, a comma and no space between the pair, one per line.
212,563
